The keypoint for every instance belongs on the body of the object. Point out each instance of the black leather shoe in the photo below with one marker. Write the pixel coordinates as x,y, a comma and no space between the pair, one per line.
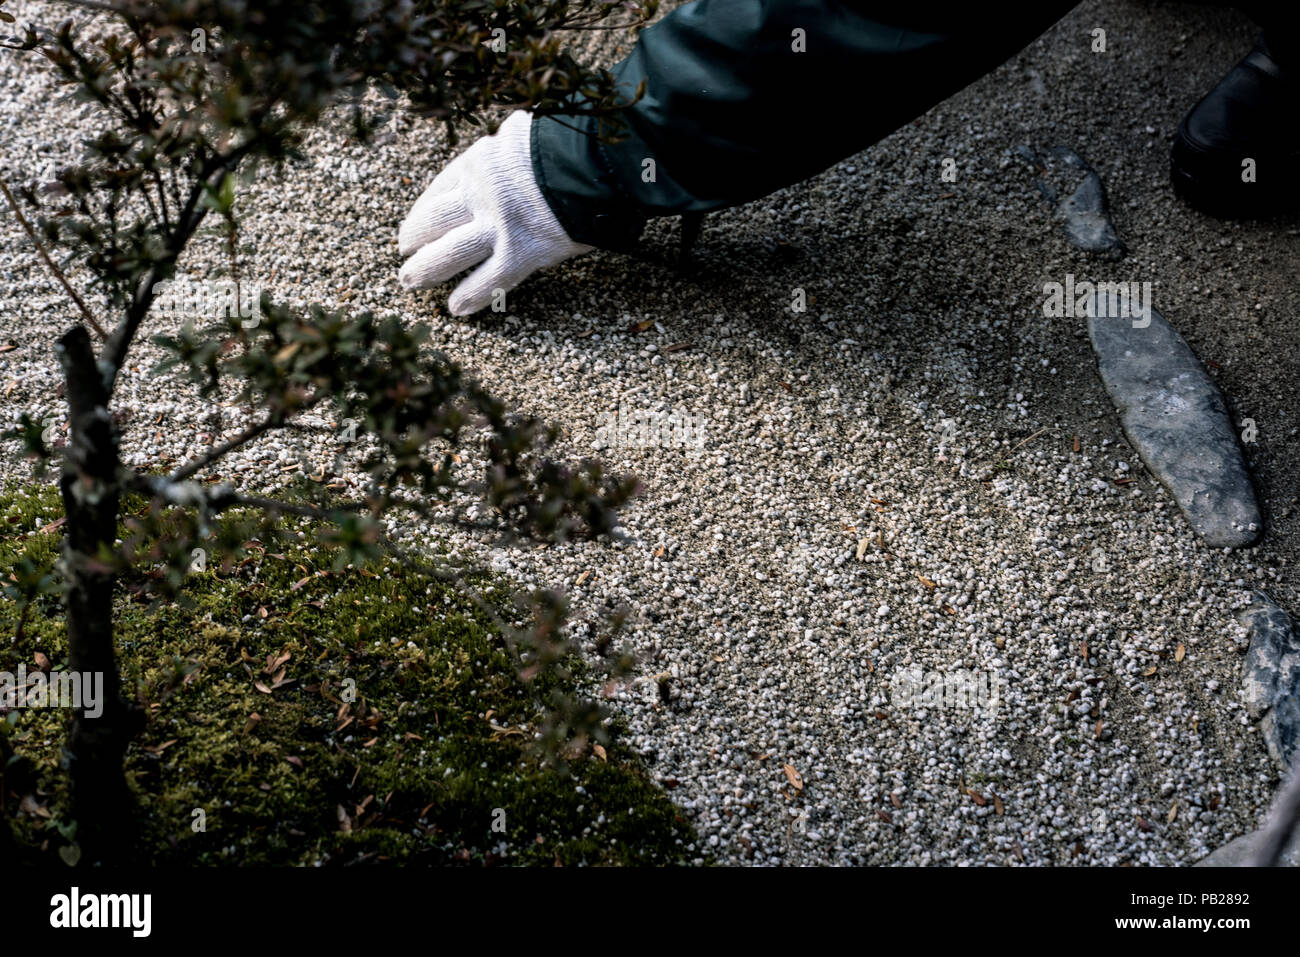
1253,115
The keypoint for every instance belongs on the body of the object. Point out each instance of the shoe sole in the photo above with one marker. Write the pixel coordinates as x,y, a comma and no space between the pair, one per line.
1212,184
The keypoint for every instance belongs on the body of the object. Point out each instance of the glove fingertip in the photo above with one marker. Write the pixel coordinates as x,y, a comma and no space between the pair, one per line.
467,303
431,219
410,278
408,238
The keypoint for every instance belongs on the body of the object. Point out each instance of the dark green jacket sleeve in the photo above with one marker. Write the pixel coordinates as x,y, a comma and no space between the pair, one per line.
746,96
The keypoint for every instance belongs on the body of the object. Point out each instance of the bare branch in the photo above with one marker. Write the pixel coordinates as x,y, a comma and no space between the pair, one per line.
187,223
115,348
235,500
253,431
58,273
93,5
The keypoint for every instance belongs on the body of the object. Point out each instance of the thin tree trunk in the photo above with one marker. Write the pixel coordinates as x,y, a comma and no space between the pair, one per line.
9,849
96,746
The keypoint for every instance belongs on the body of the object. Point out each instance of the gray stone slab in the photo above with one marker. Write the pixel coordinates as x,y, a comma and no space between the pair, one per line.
1271,677
1237,853
1078,197
1177,420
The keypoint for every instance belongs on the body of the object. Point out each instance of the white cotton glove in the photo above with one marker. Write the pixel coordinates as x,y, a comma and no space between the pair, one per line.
484,206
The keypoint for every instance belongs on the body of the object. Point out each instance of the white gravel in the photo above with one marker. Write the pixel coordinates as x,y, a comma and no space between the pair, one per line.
824,441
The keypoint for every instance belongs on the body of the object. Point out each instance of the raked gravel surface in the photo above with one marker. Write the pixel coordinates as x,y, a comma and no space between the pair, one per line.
836,530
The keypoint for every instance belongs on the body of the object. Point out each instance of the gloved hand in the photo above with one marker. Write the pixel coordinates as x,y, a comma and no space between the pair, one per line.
485,205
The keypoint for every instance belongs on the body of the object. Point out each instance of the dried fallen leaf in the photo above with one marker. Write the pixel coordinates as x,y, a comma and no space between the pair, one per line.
1096,732
253,721
1076,444
793,776
884,816
642,326
978,798
294,760
29,805
583,577
862,548
42,661
1083,650
345,822
46,529
599,752
1180,652
997,805
1150,671
926,582
261,687
1173,812
1143,824
893,799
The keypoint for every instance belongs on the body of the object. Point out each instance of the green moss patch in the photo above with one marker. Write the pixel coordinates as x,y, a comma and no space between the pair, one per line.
300,715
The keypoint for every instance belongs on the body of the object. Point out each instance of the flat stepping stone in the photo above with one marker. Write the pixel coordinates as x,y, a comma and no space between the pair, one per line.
1271,678
1078,197
1238,853
1177,420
